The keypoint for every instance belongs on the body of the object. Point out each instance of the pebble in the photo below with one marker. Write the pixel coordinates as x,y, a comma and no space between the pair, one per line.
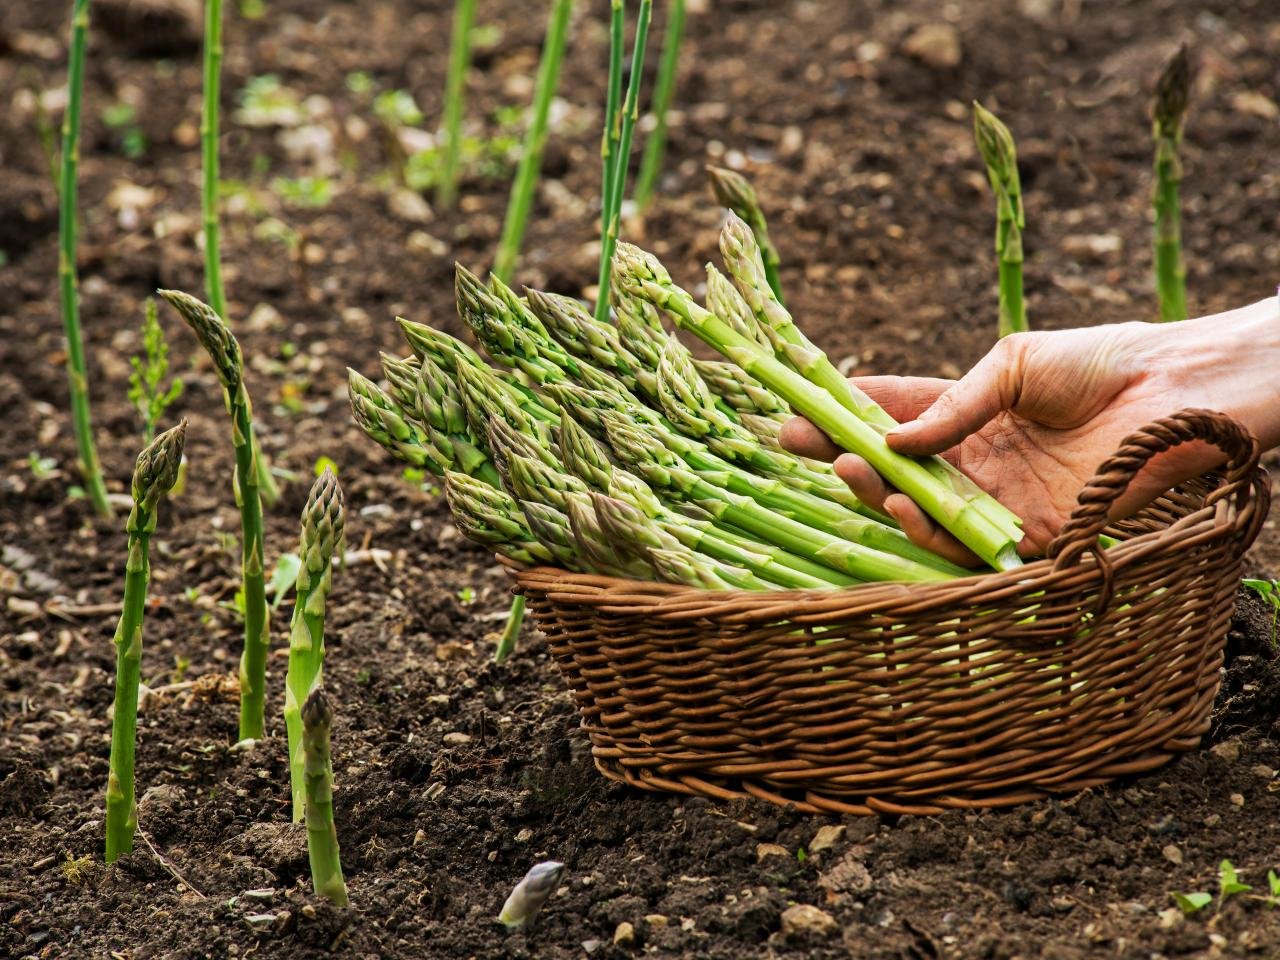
766,850
656,919
1237,800
410,206
591,946
624,935
1263,771
1228,750
456,738
807,921
1255,104
1172,854
936,45
826,837
1092,246
524,836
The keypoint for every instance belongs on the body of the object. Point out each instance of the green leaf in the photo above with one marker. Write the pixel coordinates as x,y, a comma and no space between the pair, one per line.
1190,903
1273,882
466,594
1264,588
283,578
1229,881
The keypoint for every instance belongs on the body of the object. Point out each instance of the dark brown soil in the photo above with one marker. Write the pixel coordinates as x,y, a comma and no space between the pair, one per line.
863,155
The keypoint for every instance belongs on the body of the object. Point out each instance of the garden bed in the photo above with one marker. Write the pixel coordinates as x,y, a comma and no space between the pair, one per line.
455,774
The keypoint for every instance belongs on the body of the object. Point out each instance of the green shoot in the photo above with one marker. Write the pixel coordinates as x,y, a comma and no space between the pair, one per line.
303,193
122,120
147,390
464,13
535,137
1167,115
656,146
1229,881
68,283
1190,903
995,143
42,468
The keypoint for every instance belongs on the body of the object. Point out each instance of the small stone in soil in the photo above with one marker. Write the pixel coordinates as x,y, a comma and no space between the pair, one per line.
805,921
624,935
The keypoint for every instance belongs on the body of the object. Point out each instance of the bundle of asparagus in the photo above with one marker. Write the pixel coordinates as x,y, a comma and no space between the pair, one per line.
607,448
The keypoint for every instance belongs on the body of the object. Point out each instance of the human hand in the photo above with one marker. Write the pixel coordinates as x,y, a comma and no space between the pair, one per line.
1032,421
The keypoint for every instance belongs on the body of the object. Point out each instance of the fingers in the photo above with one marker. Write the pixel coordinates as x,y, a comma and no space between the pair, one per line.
969,405
803,439
867,485
903,398
921,529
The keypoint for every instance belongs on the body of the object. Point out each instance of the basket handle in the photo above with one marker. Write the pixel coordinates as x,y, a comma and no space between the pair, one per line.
1080,533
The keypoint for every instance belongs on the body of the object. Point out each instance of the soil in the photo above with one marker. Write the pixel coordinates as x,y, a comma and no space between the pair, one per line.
863,154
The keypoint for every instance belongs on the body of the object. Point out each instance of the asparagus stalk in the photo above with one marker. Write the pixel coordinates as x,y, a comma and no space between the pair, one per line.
322,835
322,524
995,143
735,192
534,140
218,342
656,145
613,101
455,92
68,282
492,518
959,514
746,395
526,900
268,490
617,182
795,350
1167,116
153,476
586,338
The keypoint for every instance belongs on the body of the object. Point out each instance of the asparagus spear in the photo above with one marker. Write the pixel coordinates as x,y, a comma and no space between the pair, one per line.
961,515
322,835
437,406
322,523
794,349
734,191
526,900
746,395
615,185
491,517
455,93
1167,115
224,350
389,424
153,476
68,282
995,143
655,146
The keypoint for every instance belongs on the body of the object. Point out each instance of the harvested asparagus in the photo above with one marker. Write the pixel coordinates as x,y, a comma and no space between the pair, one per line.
224,350
1167,116
322,835
995,143
322,523
153,476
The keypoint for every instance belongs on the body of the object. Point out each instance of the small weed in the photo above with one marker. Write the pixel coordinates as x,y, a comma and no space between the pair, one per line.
304,193
181,665
467,595
42,468
147,392
283,578
1268,590
122,120
397,108
266,102
76,870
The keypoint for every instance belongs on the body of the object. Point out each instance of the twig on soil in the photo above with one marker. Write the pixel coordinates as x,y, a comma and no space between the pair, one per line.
168,865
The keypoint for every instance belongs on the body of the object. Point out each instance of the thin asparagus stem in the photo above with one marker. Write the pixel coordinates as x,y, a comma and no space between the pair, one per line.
995,143
268,489
455,93
613,100
617,185
735,192
656,145
216,338
68,282
322,835
1167,116
322,524
535,138
153,476
648,279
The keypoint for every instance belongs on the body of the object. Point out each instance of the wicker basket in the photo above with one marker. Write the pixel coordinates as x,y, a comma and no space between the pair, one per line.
913,698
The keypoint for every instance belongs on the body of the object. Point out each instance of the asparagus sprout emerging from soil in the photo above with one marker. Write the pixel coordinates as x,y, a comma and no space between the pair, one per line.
1167,115
153,476
995,143
228,363
68,282
534,139
322,835
322,525
455,92
655,147
529,895
734,191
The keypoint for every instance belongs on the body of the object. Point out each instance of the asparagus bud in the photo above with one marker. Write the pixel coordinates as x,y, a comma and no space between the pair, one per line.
322,835
1167,115
322,526
732,190
1173,92
218,342
526,900
153,476
995,143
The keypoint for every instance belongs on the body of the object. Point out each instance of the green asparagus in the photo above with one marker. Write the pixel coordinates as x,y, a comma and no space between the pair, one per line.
1167,116
735,192
317,768
995,143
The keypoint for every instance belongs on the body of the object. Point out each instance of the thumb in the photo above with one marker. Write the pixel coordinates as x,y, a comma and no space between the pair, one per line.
993,385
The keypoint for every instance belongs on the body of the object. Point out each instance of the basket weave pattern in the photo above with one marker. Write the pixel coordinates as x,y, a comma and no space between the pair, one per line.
982,692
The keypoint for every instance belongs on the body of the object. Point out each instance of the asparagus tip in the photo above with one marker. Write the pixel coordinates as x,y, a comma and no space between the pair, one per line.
1173,91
